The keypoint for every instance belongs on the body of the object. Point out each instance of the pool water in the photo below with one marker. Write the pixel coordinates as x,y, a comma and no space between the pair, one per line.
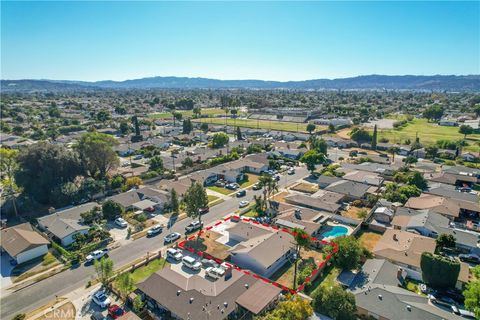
336,231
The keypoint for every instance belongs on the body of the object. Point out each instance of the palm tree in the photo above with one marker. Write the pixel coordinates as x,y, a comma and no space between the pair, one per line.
302,240
393,150
270,185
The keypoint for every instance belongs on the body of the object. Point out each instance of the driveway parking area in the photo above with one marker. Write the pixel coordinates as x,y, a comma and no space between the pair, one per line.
6,270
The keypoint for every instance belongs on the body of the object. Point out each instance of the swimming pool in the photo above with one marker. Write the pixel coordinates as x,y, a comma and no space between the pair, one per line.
336,231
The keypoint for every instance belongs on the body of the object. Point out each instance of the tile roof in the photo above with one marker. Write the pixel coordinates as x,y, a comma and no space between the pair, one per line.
21,238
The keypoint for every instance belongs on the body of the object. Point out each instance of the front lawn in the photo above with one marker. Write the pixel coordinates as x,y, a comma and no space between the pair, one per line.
221,190
145,271
251,180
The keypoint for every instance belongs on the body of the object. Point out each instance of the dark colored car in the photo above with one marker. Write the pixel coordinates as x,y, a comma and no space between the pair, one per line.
204,210
241,193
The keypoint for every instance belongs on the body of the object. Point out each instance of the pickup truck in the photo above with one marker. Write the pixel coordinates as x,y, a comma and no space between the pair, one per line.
97,254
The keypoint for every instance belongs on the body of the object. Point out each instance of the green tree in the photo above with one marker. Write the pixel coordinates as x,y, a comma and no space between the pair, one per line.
156,163
374,138
197,111
302,241
111,209
103,116
393,150
311,158
335,302
445,241
43,168
195,199
431,151
92,216
187,162
417,179
97,154
187,126
104,270
319,145
120,110
360,135
138,304
349,253
270,186
239,134
311,127
465,130
472,297
8,167
331,128
293,308
125,284
204,127
125,128
174,204
219,140
438,271
434,112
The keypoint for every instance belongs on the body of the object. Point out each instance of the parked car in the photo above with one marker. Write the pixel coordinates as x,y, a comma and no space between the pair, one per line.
241,193
291,171
101,299
243,204
115,311
194,225
175,254
215,273
277,177
232,186
257,186
220,184
204,210
156,229
138,157
469,257
172,237
98,316
97,254
209,263
121,222
191,263
149,209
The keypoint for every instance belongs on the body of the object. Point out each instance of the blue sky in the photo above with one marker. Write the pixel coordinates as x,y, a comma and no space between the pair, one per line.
241,40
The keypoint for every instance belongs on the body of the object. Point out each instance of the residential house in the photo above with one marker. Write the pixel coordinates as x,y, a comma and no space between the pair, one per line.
196,297
352,190
22,243
63,225
431,224
366,177
470,157
261,249
311,221
322,200
383,215
452,179
404,249
379,295
142,198
438,204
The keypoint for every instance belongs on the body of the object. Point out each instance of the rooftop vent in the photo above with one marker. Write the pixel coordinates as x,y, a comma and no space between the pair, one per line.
225,304
409,308
191,300
380,297
178,292
246,285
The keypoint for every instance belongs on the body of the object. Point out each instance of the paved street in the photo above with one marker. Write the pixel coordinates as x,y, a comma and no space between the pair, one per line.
44,291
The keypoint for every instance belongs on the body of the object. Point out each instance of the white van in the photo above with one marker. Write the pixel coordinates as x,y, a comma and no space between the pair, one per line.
175,254
191,263
215,273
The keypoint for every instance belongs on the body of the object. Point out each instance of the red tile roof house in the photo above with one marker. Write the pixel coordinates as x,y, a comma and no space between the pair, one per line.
22,243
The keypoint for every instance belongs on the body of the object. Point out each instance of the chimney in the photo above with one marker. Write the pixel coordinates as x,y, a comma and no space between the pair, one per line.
395,237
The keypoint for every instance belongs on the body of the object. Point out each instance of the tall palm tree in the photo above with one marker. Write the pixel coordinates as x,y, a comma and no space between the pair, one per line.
302,240
393,150
270,185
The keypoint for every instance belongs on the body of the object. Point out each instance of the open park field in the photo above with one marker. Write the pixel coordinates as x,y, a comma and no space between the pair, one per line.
428,132
261,124
211,112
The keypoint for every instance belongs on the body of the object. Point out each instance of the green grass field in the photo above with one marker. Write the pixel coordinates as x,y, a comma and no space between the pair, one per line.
211,112
143,272
429,133
261,124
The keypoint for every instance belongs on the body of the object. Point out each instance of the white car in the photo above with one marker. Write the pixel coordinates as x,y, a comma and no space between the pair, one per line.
191,263
156,229
175,254
172,237
215,273
101,299
291,171
121,222
97,254
194,225
243,204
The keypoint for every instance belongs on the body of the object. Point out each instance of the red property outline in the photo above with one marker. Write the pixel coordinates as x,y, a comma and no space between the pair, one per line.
238,218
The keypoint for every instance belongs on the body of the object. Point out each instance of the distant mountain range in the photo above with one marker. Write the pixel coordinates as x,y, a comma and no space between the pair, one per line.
370,82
